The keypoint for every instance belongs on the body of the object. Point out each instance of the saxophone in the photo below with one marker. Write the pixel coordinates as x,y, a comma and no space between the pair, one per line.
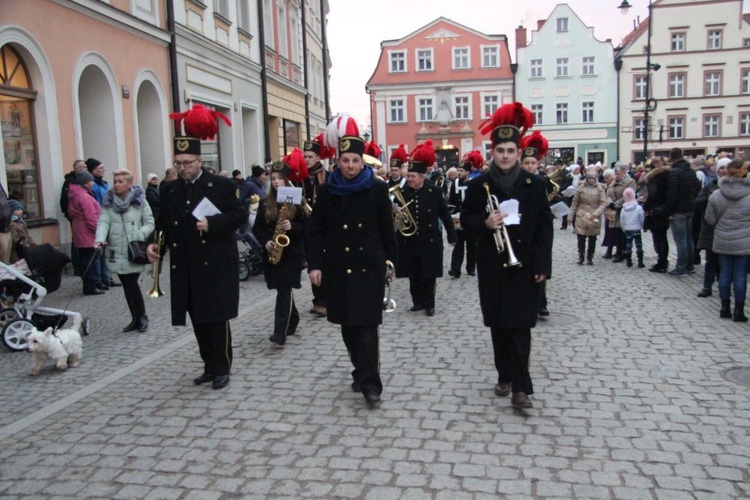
279,237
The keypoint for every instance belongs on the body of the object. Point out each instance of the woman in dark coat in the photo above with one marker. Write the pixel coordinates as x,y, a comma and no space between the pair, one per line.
656,180
282,272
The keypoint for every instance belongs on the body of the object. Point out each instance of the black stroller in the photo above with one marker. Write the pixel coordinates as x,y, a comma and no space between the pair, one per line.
23,287
251,255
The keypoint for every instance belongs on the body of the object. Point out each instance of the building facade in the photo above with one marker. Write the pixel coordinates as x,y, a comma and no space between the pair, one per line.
567,78
79,87
439,82
318,66
700,94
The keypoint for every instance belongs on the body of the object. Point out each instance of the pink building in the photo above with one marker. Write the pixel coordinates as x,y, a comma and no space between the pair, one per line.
439,82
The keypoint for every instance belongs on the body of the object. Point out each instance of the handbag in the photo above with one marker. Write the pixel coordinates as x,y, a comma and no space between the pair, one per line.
136,249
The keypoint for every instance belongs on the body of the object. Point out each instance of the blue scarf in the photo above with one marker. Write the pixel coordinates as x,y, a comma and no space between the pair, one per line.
341,187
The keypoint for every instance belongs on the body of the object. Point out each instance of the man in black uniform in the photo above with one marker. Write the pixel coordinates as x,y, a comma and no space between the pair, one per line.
420,255
398,158
509,294
351,238
203,253
456,194
314,151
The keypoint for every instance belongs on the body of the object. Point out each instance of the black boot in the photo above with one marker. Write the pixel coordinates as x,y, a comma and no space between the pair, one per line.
581,248
629,259
133,325
725,310
143,323
739,313
608,253
640,259
619,257
591,250
580,258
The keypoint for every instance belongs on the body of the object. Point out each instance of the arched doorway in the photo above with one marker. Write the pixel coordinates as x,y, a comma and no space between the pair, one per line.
17,98
96,111
150,122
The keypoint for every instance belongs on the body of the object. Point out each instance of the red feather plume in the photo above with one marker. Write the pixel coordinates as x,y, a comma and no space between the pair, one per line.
537,141
372,149
297,165
474,159
400,154
200,122
509,114
424,153
325,151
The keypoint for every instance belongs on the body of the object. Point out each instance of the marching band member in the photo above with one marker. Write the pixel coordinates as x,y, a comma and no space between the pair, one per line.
398,161
421,254
351,238
509,294
284,264
456,195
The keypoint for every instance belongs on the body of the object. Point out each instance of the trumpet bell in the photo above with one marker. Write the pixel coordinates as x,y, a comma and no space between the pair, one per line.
389,305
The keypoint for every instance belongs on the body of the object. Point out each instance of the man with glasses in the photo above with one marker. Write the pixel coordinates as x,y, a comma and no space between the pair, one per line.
203,255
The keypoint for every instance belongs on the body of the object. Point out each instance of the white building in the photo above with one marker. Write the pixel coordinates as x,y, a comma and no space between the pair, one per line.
702,87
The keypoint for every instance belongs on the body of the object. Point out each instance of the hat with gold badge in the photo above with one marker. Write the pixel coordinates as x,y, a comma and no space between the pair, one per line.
534,146
343,133
399,156
508,123
422,157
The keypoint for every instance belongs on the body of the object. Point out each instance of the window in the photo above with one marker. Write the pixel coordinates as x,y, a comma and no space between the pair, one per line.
425,109
562,66
490,104
269,38
638,129
424,60
676,127
677,85
745,84
536,68
283,33
744,123
461,105
538,111
678,42
587,66
711,125
461,58
712,85
714,40
587,112
640,87
243,15
221,8
398,62
746,42
294,56
562,24
561,114
397,111
490,57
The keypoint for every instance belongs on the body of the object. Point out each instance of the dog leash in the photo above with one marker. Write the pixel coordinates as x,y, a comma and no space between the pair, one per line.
65,310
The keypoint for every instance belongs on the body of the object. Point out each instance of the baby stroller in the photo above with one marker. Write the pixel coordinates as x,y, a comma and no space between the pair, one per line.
23,287
251,255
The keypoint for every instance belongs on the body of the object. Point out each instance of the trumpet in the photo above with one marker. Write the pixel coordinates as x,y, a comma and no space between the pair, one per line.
389,305
155,291
502,240
402,217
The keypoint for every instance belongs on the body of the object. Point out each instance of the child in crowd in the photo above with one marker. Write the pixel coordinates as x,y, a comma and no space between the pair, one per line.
18,230
631,219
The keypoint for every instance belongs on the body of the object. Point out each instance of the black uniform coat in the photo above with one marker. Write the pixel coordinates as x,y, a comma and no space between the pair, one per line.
508,296
350,239
286,273
427,207
203,267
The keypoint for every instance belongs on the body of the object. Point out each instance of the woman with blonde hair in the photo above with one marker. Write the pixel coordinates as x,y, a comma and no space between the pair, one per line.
125,217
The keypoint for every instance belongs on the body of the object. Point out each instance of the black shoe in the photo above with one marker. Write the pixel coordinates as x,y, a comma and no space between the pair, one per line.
430,311
502,389
373,399
416,308
520,400
113,283
619,259
589,261
454,274
471,273
220,382
277,339
206,377
704,293
131,326
543,311
658,269
143,323
102,286
356,387
93,291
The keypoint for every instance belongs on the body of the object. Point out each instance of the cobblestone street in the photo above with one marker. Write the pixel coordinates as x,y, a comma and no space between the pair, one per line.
630,401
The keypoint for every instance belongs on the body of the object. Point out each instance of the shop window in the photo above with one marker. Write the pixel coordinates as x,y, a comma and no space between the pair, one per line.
19,135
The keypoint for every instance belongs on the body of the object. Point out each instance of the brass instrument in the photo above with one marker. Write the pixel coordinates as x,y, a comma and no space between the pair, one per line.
280,239
155,291
555,177
371,161
402,217
502,240
389,305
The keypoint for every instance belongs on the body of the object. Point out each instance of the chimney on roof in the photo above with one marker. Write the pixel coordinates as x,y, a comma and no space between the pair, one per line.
521,40
540,23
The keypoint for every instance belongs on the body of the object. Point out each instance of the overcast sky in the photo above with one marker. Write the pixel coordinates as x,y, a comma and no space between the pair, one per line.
356,28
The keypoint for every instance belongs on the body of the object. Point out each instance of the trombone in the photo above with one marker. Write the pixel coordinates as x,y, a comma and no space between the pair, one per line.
389,305
402,217
502,240
155,291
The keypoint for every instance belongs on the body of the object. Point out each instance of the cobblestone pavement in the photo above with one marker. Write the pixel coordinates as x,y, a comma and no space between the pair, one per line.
630,402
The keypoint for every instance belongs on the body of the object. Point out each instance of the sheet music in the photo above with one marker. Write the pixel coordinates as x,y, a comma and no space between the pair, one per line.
510,207
205,209
291,195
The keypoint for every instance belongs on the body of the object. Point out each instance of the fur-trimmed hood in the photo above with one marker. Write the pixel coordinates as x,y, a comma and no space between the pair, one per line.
734,188
656,171
138,199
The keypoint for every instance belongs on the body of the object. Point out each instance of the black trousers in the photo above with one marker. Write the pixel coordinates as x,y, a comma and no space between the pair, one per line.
661,245
133,294
582,245
512,348
286,317
464,238
215,345
619,241
423,291
319,295
362,343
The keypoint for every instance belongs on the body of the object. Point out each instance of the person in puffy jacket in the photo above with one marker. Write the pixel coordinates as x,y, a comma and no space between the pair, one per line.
84,211
631,218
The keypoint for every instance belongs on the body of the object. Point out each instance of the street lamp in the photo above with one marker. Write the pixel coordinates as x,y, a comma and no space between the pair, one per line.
650,104
366,135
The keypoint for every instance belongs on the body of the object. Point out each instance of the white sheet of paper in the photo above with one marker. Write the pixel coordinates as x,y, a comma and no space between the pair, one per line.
291,195
560,209
569,191
510,207
205,209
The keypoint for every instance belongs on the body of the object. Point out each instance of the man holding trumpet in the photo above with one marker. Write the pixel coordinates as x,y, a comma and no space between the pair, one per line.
512,261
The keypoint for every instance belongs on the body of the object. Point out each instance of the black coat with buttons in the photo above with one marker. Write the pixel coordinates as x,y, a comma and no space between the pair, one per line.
508,295
350,239
286,273
203,267
427,206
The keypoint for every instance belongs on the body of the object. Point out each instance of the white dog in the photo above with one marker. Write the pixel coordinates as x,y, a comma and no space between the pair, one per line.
64,347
